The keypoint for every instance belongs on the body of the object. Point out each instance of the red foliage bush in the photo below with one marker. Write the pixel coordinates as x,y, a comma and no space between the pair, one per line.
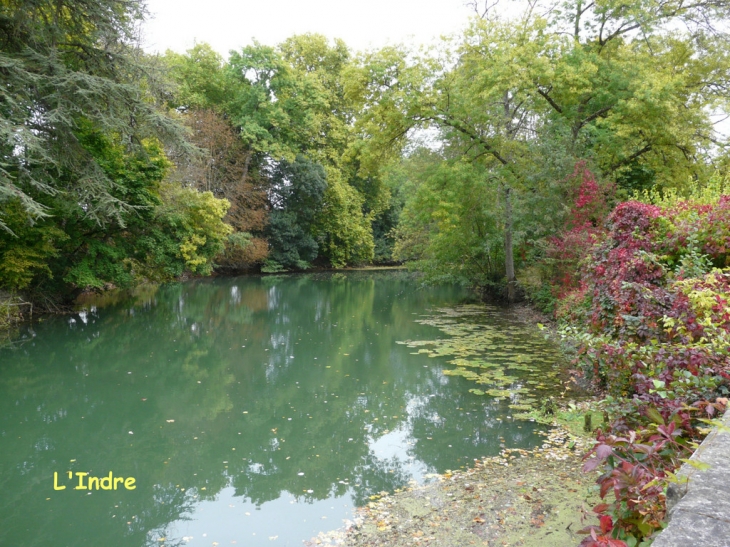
583,228
659,343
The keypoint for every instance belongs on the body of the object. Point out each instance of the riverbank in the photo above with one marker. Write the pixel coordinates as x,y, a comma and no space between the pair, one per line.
521,498
526,498
13,310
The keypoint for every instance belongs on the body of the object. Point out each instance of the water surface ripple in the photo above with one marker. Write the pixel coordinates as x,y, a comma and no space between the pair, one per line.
250,411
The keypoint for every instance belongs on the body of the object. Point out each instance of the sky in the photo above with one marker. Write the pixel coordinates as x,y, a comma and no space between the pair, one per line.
362,24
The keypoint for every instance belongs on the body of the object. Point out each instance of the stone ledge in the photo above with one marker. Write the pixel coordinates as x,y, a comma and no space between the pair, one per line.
699,510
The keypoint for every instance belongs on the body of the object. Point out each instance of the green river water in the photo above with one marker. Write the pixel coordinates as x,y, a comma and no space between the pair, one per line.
249,411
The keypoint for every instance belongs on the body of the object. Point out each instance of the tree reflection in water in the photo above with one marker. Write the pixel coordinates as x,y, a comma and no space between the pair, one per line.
284,397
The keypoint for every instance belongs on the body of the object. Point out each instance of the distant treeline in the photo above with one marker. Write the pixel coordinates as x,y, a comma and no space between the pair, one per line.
464,160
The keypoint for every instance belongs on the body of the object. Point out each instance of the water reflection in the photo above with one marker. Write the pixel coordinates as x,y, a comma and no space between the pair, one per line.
286,398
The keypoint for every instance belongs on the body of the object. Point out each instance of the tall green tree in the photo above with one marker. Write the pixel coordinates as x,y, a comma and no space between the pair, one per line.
61,63
610,82
449,228
298,190
199,78
291,100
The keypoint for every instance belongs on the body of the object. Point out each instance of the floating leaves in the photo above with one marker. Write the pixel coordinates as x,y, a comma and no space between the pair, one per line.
488,347
503,500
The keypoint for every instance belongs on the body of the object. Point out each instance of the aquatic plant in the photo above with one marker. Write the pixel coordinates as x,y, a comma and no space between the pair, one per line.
501,356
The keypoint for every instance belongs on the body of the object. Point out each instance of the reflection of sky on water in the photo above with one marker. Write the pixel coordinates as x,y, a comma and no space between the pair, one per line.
284,397
211,521
395,446
231,520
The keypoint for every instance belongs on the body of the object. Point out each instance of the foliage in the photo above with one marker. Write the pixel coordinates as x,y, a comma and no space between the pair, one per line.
25,247
166,231
617,95
271,106
527,98
583,228
242,250
637,465
698,193
200,79
447,228
396,179
63,65
285,99
227,169
658,319
298,191
81,197
346,233
195,220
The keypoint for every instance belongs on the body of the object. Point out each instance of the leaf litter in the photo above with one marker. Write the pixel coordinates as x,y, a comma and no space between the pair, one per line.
519,498
527,498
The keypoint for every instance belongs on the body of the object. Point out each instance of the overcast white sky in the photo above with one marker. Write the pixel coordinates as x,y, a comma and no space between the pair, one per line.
231,24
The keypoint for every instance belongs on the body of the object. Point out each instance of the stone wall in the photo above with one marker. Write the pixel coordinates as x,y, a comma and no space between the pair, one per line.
699,510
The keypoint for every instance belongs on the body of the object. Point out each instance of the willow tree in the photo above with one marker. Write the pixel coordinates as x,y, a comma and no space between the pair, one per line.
525,98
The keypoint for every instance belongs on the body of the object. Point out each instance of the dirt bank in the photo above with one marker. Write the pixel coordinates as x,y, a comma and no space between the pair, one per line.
522,498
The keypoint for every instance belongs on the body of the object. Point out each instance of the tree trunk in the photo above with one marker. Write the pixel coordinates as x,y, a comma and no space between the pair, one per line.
509,261
246,165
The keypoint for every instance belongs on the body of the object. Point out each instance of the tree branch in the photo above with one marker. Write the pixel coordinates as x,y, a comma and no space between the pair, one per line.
597,114
550,100
631,158
461,128
623,29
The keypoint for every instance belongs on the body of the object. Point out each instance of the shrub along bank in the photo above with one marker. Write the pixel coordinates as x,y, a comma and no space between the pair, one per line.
651,316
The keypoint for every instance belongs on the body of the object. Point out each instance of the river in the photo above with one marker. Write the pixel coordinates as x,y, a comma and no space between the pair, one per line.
248,411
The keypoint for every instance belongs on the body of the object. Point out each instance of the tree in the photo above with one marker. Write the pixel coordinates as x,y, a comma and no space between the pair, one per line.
166,231
448,227
62,64
227,168
344,229
508,95
298,190
199,77
291,100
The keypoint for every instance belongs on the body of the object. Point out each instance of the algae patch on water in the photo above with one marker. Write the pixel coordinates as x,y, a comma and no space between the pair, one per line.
505,357
521,498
